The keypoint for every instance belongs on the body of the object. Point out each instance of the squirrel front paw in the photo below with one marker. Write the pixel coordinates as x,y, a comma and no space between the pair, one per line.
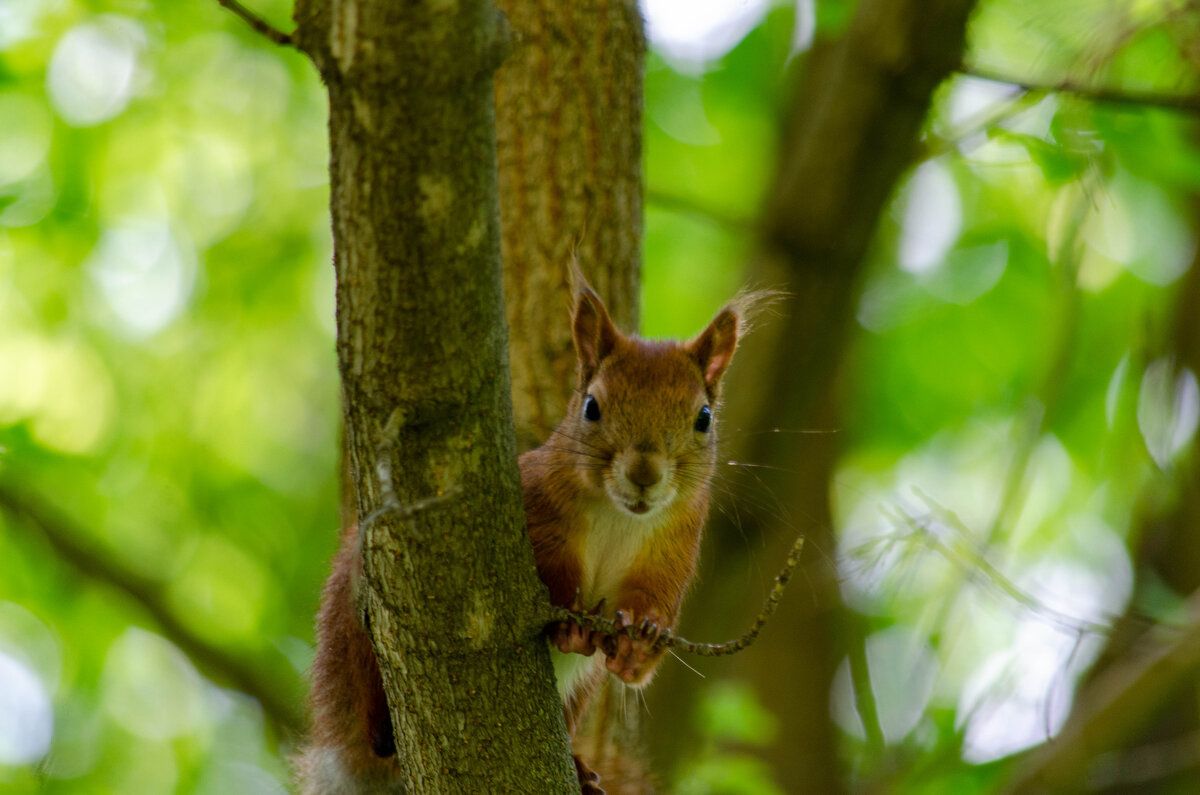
573,638
570,638
633,659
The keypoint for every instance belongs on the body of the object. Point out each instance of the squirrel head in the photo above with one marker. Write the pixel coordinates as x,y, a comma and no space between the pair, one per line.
643,417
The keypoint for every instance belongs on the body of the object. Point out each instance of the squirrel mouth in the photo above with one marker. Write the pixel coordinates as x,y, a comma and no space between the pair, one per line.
638,507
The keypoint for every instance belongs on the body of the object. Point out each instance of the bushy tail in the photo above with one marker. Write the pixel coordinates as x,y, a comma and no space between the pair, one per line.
611,740
352,749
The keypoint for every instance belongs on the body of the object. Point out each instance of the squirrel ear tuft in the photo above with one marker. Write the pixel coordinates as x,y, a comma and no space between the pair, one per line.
595,334
713,349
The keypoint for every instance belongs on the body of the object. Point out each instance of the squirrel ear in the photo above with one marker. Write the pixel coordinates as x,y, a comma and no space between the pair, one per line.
713,349
595,334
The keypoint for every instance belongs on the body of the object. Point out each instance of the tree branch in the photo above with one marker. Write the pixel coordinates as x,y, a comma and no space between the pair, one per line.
973,562
450,596
279,701
851,129
668,640
1016,103
1115,706
686,205
568,142
1186,103
259,24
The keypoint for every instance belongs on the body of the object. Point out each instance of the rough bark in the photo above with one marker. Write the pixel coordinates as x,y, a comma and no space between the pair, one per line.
569,131
851,132
569,140
452,599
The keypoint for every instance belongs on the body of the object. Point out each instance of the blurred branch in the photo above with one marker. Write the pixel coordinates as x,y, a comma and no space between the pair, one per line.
259,24
687,205
1144,676
1145,763
1187,103
278,701
1060,349
1018,102
1114,706
864,694
851,126
971,558
974,561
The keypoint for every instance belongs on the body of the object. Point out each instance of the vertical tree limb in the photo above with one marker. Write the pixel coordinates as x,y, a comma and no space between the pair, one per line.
851,131
1141,691
569,132
452,598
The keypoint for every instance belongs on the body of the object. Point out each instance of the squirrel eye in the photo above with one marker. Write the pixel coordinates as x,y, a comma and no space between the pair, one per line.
591,409
703,420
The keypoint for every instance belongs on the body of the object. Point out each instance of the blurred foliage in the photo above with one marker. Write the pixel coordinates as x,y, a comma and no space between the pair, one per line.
1014,408
168,381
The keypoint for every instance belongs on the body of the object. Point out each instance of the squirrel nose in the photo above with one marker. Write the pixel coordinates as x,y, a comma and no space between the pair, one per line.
644,472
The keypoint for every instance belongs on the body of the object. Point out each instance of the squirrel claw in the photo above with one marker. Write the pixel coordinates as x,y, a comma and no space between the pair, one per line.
632,651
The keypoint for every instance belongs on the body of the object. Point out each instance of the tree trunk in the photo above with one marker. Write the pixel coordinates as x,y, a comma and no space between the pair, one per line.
452,598
851,132
569,140
569,133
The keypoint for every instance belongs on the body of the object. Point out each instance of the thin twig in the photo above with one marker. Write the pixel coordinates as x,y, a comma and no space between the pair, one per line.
259,24
668,640
963,554
280,697
1030,426
388,502
406,511
1186,103
977,563
864,694
974,127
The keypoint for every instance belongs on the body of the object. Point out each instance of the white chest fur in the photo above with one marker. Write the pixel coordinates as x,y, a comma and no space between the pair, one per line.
614,540
571,669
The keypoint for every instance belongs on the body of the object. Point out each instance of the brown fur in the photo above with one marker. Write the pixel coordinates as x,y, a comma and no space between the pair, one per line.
615,508
649,394
352,748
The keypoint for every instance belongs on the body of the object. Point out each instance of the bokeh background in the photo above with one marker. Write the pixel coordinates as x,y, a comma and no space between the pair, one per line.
1017,430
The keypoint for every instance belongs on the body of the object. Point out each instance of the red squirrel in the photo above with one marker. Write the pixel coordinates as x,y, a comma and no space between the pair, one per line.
615,501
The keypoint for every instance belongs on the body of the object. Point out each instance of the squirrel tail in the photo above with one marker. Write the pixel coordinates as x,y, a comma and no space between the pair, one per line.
611,735
352,750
